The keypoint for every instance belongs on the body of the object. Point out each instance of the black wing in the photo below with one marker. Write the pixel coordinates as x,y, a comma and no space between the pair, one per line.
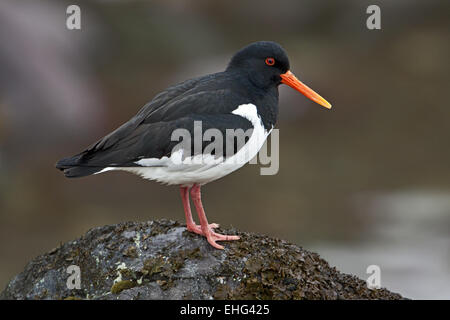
209,99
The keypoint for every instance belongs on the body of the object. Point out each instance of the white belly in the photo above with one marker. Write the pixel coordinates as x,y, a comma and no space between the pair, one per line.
202,169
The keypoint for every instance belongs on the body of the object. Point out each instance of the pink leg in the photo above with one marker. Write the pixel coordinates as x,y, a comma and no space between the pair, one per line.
206,229
190,224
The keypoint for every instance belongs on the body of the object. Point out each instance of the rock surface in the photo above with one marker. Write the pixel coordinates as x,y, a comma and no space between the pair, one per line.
161,260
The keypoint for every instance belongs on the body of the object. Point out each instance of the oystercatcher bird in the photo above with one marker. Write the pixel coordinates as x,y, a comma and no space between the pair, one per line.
243,98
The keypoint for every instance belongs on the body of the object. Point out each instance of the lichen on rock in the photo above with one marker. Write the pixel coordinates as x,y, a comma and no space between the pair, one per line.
161,260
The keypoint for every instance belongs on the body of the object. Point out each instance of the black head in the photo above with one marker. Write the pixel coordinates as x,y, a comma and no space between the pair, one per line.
266,65
263,62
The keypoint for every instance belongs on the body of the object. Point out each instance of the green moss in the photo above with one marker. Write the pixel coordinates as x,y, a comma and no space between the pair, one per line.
266,274
128,274
72,298
177,261
165,284
118,287
166,267
222,292
153,266
130,252
161,269
161,227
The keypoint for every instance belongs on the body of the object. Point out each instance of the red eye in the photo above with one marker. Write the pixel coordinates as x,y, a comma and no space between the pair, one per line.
270,61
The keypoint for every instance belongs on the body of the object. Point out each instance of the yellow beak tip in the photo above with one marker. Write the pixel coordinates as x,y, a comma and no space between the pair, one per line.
326,104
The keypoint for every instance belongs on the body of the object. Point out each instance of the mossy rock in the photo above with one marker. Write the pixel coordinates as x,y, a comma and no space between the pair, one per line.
161,260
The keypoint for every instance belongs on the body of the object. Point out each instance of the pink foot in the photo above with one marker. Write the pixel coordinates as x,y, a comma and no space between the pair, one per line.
198,229
212,237
205,229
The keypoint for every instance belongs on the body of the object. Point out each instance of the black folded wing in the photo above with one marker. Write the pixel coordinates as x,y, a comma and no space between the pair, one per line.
209,99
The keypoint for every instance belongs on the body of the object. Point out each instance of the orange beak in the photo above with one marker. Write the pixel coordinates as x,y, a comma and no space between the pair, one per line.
292,81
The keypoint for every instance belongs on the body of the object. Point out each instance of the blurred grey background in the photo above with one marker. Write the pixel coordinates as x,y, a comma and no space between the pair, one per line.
365,183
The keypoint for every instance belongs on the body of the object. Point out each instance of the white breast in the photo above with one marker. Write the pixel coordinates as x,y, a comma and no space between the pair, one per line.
173,171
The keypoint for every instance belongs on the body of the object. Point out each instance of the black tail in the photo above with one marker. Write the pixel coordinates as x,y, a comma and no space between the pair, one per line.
74,168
